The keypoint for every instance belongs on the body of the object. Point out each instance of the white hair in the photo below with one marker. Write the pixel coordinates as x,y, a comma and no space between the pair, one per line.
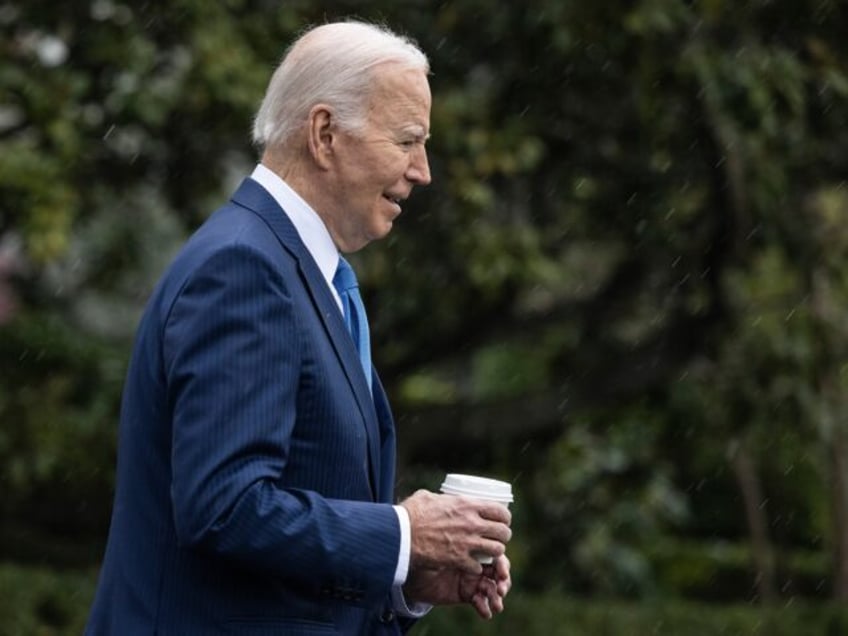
331,64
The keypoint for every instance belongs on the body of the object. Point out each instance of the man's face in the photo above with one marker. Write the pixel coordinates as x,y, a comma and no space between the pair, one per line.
377,168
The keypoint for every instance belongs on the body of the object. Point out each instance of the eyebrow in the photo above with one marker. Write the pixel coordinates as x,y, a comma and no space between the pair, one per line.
418,132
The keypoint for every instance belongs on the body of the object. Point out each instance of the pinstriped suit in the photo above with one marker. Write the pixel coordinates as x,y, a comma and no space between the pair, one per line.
255,472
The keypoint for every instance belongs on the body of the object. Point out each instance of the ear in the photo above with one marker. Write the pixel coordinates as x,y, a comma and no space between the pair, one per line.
321,135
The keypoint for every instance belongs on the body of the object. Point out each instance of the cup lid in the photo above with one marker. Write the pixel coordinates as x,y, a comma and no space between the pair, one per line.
479,487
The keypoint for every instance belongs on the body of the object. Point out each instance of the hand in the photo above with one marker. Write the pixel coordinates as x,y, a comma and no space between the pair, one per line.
448,530
484,592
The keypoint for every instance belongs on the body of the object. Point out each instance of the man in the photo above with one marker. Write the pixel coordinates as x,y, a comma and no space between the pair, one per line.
256,452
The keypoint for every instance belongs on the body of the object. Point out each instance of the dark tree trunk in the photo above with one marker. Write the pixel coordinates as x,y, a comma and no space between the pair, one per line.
745,471
839,459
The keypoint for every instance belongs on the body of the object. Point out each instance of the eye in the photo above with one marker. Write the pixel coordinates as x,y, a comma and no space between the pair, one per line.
410,141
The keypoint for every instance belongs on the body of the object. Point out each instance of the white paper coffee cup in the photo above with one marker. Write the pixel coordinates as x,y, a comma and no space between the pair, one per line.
482,488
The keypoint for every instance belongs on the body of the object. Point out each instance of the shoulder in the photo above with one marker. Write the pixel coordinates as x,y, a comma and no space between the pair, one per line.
232,246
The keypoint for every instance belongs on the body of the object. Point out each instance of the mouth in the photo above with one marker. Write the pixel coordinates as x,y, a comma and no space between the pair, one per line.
395,200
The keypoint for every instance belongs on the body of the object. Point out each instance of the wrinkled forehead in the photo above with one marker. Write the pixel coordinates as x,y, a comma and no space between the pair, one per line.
406,89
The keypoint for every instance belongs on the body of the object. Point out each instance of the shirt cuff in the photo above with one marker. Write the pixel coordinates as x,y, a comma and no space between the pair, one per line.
402,569
398,600
403,609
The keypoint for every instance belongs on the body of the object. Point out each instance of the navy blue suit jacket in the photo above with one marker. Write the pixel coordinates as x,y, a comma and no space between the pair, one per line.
255,469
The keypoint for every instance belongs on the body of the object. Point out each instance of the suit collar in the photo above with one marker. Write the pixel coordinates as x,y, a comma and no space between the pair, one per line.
309,225
254,197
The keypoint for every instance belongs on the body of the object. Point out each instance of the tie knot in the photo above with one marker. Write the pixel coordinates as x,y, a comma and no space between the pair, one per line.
344,278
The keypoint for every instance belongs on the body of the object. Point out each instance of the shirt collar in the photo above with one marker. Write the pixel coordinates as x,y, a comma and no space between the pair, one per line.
306,221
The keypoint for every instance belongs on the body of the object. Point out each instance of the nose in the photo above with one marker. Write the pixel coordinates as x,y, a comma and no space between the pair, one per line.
418,171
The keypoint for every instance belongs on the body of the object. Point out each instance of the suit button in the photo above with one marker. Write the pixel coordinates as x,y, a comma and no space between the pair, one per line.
387,616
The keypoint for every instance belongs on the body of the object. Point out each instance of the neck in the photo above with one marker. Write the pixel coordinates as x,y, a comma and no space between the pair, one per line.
302,177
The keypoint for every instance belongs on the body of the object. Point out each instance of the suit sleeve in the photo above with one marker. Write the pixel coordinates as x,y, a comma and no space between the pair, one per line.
232,358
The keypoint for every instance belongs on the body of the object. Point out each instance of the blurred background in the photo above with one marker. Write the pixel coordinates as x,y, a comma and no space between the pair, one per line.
625,292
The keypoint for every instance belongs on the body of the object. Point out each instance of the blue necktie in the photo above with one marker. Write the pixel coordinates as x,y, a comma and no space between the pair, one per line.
354,313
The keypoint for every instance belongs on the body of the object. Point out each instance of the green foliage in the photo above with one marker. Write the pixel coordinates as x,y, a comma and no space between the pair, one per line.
720,571
39,602
636,221
606,496
551,614
58,398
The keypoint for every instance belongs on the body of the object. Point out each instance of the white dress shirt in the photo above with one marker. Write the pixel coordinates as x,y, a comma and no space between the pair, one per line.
315,236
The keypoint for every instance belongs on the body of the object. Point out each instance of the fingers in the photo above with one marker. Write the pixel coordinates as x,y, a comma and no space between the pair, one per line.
480,603
501,574
496,530
471,565
504,587
486,600
484,593
493,511
489,548
495,603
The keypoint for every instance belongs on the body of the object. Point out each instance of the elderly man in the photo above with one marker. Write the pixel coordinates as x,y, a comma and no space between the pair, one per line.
256,452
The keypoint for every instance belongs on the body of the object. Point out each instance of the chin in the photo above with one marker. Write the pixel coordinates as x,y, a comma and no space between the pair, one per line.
381,232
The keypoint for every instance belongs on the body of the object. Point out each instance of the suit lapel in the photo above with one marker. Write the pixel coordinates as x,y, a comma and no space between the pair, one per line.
254,197
388,449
